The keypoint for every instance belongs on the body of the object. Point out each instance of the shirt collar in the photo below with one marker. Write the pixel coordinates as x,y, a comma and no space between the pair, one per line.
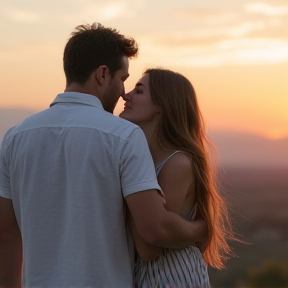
77,98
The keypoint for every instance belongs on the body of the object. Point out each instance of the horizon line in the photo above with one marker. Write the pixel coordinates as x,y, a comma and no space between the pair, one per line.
267,135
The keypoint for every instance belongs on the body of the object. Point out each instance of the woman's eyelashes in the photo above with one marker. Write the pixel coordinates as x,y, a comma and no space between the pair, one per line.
138,91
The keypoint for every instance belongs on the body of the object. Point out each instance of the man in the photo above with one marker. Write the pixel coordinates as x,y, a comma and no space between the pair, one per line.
64,173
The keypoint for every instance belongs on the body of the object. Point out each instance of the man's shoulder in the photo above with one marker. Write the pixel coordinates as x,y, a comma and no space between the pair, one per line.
19,127
121,127
86,118
125,124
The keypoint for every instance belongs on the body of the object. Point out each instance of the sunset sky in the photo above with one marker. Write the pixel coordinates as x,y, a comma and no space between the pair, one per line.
235,53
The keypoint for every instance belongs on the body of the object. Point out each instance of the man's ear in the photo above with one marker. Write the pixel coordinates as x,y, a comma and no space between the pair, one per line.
101,74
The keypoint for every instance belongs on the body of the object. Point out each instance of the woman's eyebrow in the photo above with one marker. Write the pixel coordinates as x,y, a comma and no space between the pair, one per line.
140,84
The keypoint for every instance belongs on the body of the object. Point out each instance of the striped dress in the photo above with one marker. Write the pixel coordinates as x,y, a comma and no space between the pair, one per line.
183,268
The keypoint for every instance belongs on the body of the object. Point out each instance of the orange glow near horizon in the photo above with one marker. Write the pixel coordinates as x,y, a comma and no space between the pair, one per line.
229,97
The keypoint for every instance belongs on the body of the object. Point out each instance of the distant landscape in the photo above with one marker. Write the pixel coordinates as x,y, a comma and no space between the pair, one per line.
253,172
258,199
237,149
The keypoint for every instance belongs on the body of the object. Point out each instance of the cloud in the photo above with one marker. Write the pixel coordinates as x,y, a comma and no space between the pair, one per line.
114,10
245,28
105,11
208,18
266,9
28,52
255,51
207,36
24,16
204,14
242,51
239,30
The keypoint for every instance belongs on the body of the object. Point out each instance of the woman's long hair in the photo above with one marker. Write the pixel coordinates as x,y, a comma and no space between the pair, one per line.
181,126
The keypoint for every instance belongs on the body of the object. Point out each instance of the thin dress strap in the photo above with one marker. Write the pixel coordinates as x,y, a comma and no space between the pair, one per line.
160,166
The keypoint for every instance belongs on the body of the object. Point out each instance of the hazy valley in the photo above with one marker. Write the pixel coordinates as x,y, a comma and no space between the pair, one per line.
233,148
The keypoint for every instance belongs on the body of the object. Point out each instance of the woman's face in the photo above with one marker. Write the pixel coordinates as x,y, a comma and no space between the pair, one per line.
139,107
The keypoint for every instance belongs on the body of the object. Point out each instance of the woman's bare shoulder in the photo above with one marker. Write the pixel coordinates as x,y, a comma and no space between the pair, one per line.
177,166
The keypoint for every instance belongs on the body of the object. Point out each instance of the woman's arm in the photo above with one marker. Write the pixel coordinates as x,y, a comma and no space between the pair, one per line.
175,180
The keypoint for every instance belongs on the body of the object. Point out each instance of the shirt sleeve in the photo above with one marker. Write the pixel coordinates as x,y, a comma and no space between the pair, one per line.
5,190
137,169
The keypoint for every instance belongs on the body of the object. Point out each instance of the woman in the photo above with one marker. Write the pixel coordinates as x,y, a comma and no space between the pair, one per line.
163,103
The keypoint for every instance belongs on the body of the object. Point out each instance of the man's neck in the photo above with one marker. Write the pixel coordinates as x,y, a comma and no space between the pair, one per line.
75,87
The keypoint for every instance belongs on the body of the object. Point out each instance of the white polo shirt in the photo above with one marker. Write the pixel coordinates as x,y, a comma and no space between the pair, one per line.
67,170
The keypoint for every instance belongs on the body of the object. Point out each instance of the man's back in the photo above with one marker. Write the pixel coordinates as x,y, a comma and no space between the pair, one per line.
70,167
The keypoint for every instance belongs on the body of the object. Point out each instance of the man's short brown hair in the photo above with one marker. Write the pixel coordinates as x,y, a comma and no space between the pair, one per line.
91,46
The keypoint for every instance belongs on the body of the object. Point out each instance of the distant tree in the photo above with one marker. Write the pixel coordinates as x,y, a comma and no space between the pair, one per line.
272,274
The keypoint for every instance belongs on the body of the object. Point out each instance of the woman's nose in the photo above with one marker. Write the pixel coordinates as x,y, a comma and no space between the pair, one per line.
126,97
